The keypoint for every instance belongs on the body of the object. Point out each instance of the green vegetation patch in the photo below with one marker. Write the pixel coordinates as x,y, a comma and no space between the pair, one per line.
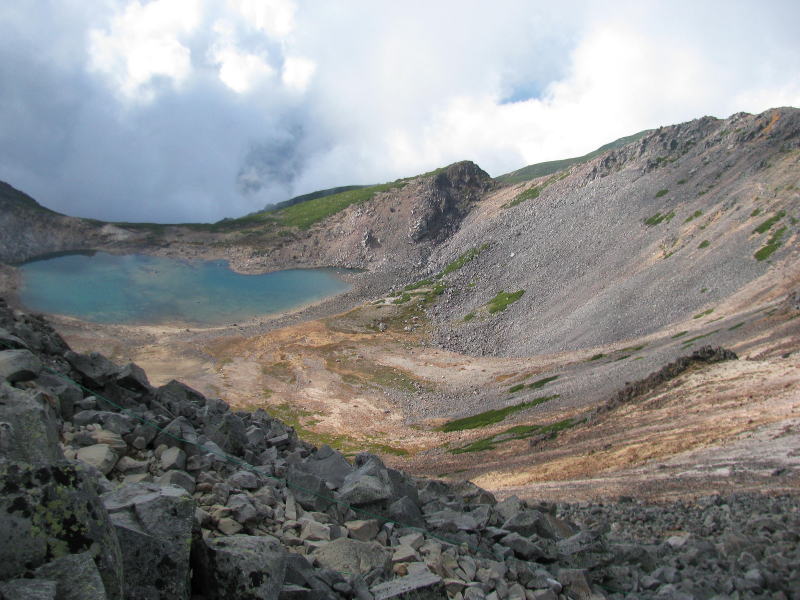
773,244
502,300
490,417
658,218
536,385
529,194
704,244
695,215
596,357
767,225
663,192
699,337
518,432
468,317
415,286
736,326
679,334
756,212
306,214
462,260
703,314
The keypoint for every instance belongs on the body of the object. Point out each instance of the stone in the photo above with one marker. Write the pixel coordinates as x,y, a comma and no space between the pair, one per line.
132,377
241,567
179,398
130,466
154,528
96,369
314,531
419,586
51,510
244,480
76,576
352,556
173,458
309,490
178,433
575,584
405,512
229,526
29,589
413,540
10,341
177,478
101,456
229,433
509,507
329,465
528,523
28,426
523,547
19,365
242,509
364,531
404,554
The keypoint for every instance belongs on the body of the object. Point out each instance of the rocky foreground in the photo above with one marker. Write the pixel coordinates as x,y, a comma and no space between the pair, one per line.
114,489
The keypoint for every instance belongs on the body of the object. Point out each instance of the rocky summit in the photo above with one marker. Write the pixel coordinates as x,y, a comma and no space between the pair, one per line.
113,488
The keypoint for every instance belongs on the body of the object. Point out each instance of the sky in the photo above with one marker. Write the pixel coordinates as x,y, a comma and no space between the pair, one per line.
196,110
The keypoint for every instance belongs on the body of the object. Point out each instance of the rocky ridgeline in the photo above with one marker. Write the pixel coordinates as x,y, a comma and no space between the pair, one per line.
97,503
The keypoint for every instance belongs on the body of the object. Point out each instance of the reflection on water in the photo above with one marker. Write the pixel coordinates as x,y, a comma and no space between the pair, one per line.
108,288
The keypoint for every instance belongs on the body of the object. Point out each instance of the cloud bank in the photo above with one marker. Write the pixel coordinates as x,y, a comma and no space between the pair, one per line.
195,110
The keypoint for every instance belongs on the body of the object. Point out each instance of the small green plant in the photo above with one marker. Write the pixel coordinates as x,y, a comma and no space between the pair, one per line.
703,290
773,244
660,193
490,417
703,314
631,349
465,257
468,317
502,300
596,357
704,244
679,334
736,326
516,388
698,337
518,432
756,212
402,299
681,181
418,284
695,215
658,218
529,194
532,386
767,225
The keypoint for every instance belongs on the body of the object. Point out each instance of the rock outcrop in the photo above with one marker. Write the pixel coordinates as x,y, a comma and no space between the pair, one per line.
114,489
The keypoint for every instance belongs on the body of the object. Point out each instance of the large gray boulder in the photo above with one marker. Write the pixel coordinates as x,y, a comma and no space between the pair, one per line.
29,589
76,577
329,465
28,426
229,433
49,511
352,556
18,365
309,490
100,456
154,528
240,567
95,368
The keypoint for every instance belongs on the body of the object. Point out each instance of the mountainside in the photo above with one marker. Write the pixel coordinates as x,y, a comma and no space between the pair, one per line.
639,238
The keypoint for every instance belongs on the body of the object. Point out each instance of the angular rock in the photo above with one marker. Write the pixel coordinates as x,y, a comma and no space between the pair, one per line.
50,511
154,528
19,365
406,513
28,426
29,589
240,567
352,556
96,369
132,377
173,458
177,478
363,530
420,586
309,490
229,433
130,466
99,456
329,465
244,480
76,576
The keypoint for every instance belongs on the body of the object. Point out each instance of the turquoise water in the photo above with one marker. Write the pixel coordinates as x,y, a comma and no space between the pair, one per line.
108,288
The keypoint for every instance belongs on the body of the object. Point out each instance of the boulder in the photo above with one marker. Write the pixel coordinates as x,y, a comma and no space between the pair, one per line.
177,478
154,528
240,567
29,589
329,465
406,513
50,511
309,490
95,368
229,433
419,586
101,456
173,458
180,399
76,577
28,426
132,377
19,365
352,556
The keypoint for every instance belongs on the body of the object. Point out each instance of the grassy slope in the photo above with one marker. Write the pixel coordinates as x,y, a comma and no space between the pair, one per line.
553,166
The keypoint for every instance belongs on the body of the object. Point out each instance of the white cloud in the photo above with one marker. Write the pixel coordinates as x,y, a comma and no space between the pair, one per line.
240,70
297,73
274,17
142,44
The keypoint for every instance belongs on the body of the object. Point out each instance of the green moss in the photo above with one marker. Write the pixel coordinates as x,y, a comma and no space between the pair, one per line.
528,194
502,300
681,181
773,244
490,417
695,215
679,334
658,218
704,244
703,314
756,212
631,349
516,388
518,432
660,193
596,357
736,326
462,260
767,225
468,317
402,299
418,284
699,337
536,385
